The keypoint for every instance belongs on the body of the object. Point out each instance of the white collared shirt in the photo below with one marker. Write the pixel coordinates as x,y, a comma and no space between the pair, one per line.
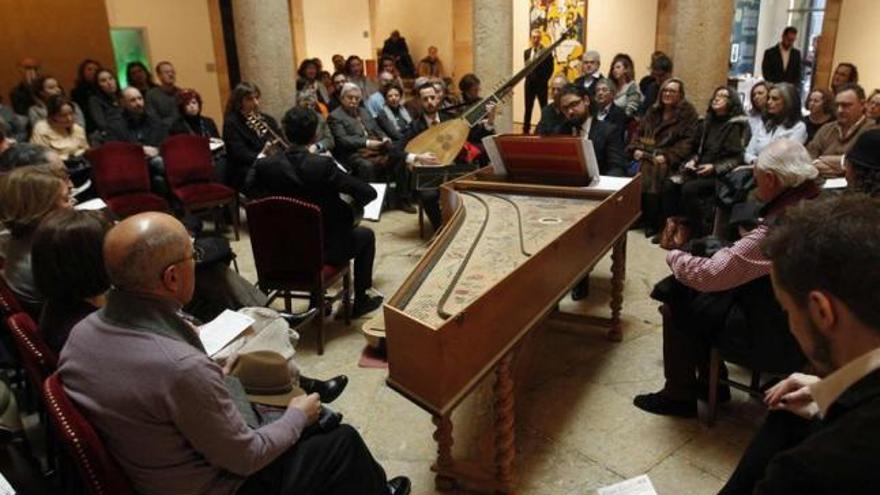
826,391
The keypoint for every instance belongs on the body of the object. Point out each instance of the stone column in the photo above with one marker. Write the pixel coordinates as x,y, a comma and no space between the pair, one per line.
493,37
696,35
265,51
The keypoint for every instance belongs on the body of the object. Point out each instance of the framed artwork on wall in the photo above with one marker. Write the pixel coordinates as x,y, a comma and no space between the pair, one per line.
555,17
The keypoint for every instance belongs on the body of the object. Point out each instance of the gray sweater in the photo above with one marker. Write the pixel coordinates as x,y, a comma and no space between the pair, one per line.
162,106
136,370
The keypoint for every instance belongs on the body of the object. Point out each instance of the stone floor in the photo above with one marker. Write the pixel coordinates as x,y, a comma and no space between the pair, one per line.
576,427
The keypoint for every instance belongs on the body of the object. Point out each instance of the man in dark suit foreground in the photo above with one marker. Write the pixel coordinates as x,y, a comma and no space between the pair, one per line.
821,436
318,180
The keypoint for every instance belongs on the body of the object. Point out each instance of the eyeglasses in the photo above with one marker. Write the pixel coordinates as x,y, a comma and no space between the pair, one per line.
195,255
572,105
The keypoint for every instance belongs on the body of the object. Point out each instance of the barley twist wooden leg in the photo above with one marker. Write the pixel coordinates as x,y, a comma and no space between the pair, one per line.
443,437
505,448
618,277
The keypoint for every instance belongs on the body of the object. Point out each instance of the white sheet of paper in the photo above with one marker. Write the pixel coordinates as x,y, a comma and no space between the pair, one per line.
592,162
835,183
640,485
92,204
373,209
498,167
5,486
609,184
215,144
219,332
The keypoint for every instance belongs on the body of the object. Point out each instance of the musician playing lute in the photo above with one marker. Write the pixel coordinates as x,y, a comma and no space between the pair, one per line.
317,179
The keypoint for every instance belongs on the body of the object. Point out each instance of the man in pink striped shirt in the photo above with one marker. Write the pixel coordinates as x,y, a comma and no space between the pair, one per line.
699,294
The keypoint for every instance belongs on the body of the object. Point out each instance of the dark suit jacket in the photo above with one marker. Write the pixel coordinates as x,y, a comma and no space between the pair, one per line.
841,457
616,117
606,143
242,145
350,133
771,66
537,79
146,130
551,118
591,89
317,180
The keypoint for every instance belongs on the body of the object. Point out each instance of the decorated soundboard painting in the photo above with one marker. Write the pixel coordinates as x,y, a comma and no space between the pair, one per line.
498,233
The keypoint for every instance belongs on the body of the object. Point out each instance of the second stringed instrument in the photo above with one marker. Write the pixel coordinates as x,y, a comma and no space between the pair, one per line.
446,139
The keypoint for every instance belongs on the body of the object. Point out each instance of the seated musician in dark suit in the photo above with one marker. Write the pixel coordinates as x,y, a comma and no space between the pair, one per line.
606,110
318,180
574,103
245,139
364,148
431,116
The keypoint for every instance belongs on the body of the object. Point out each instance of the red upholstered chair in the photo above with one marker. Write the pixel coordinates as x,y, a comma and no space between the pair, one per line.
287,240
37,359
190,170
122,179
99,471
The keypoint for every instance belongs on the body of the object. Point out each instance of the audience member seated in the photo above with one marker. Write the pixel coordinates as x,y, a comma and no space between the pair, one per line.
590,74
316,179
191,120
59,132
395,46
16,125
782,120
723,138
85,87
444,96
308,73
394,117
45,88
338,63
354,71
364,148
628,97
138,75
68,270
872,107
820,104
834,139
551,114
20,155
137,126
649,86
845,73
758,100
698,295
180,431
27,195
6,142
863,164
431,66
338,80
22,96
161,101
469,86
666,139
820,436
324,142
104,106
245,141
606,111
376,101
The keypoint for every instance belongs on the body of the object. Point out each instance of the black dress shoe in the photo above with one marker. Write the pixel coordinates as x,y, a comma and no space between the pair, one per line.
660,403
365,305
297,319
406,205
581,290
329,390
399,486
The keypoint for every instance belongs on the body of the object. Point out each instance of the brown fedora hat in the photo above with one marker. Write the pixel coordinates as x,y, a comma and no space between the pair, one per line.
265,377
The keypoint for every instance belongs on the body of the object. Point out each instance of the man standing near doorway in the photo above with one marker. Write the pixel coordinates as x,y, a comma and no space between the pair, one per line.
782,62
537,80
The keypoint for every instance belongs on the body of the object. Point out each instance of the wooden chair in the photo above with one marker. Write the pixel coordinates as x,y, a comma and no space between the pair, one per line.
122,179
287,241
100,473
189,168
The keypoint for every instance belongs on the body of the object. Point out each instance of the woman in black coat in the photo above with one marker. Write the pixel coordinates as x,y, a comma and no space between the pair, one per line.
246,132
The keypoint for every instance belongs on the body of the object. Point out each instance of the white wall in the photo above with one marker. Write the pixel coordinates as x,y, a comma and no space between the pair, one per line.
183,38
858,39
613,26
337,26
420,28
